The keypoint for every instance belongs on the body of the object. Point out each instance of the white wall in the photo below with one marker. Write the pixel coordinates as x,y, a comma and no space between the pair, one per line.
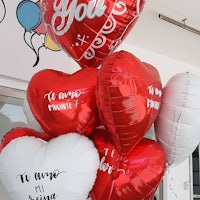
166,66
177,182
3,194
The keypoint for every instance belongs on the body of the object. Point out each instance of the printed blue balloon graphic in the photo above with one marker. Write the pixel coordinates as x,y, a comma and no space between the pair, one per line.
29,15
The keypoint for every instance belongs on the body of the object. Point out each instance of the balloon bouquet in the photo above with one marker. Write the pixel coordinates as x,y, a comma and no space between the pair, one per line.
87,128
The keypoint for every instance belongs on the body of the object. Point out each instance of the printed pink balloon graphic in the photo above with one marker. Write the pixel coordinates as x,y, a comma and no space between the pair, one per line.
90,30
129,94
63,103
40,29
135,176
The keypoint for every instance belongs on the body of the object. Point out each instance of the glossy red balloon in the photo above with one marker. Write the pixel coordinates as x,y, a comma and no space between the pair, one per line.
134,176
128,98
63,103
89,30
20,132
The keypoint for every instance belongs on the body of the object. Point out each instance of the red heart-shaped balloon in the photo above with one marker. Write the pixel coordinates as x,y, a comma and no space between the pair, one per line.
21,132
63,103
89,30
128,98
133,176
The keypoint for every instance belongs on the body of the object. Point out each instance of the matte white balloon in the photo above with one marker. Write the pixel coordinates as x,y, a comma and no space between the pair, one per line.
64,168
177,127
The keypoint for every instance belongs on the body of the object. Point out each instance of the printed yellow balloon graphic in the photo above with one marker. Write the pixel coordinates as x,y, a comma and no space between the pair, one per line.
50,44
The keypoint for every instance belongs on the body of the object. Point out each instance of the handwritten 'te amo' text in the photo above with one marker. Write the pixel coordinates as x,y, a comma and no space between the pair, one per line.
37,176
52,96
62,100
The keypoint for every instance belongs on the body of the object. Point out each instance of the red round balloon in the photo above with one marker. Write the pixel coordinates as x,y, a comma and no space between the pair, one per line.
63,103
128,98
89,30
134,176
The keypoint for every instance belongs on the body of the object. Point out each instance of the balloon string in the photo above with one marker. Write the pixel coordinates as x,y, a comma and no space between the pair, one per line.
111,189
37,56
4,15
33,48
171,181
36,52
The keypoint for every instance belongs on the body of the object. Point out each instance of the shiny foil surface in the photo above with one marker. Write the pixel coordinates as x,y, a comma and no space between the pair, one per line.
63,103
90,30
134,176
129,96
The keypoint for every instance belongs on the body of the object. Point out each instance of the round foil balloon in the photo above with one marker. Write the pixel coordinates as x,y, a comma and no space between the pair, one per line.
60,103
129,94
89,30
177,126
134,176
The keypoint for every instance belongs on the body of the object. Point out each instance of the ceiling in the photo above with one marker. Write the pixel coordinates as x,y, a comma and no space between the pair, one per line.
177,9
157,35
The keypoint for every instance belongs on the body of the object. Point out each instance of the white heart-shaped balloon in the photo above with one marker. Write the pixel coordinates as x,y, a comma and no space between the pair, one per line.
63,168
177,126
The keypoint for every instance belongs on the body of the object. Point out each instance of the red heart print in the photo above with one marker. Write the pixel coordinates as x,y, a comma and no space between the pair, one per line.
89,30
128,98
63,103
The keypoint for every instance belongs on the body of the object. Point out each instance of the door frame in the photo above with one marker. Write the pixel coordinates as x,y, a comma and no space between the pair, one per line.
13,87
191,173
